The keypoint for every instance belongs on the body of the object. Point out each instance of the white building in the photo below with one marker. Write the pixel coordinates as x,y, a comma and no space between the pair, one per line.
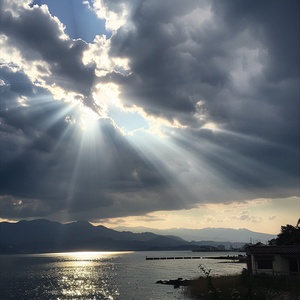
275,260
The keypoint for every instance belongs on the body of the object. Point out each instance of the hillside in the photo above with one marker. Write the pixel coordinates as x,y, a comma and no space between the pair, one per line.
47,236
241,235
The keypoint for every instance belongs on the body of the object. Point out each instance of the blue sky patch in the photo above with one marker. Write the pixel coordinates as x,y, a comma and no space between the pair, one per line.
79,20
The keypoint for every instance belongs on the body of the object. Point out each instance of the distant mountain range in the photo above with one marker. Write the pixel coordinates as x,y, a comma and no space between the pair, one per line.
47,236
241,235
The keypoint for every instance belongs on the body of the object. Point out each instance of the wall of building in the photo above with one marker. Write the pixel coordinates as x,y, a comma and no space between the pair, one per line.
279,265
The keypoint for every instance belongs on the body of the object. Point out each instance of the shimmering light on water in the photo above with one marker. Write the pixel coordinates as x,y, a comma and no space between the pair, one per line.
101,275
86,274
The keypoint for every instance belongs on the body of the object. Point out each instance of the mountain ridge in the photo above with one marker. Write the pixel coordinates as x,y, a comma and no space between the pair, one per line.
221,234
47,236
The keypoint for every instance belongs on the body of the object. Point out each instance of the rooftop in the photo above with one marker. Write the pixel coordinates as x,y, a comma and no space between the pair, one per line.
278,249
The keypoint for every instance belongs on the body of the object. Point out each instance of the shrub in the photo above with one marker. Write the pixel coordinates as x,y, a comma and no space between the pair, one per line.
243,286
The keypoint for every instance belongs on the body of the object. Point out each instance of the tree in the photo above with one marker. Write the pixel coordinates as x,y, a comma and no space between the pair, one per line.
289,235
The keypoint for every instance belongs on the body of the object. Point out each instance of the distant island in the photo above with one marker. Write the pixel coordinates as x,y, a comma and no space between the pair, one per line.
40,236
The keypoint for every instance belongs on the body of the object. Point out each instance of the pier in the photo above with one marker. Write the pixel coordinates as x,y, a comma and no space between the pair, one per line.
173,257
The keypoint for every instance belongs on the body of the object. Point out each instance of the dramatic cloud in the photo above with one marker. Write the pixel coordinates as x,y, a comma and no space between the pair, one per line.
183,103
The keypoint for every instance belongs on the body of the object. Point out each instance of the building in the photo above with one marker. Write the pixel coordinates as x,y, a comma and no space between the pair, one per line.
274,260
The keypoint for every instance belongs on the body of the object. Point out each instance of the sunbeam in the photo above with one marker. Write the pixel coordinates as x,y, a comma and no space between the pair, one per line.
114,109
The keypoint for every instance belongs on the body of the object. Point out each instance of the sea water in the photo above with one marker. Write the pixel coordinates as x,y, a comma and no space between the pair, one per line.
104,275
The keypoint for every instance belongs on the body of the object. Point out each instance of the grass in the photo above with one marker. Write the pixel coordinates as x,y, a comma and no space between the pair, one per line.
244,287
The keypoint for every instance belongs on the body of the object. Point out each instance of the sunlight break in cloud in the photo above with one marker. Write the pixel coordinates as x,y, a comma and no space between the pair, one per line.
184,104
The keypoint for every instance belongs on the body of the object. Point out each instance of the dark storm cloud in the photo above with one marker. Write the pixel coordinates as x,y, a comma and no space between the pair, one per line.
45,172
37,35
171,61
277,23
176,63
242,63
44,169
231,63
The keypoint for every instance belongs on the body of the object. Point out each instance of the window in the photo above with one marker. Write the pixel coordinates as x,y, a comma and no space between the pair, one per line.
265,264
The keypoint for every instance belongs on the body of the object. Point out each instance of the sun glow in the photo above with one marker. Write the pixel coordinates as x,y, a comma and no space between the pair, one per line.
88,118
211,126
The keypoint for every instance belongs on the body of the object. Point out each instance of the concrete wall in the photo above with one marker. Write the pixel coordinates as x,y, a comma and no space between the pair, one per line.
280,265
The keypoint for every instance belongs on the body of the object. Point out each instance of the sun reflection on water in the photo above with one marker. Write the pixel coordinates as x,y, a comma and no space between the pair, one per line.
84,275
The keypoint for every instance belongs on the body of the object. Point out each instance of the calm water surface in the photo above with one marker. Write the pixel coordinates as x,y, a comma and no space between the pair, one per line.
103,275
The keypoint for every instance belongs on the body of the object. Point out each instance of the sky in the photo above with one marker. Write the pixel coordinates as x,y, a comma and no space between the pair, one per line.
162,114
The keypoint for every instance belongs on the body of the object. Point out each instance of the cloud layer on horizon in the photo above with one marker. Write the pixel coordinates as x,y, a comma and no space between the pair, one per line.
217,84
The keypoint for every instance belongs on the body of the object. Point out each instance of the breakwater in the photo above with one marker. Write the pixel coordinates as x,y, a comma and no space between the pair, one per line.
173,257
240,258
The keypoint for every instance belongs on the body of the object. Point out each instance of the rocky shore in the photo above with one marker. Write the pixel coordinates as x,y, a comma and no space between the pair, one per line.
175,282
